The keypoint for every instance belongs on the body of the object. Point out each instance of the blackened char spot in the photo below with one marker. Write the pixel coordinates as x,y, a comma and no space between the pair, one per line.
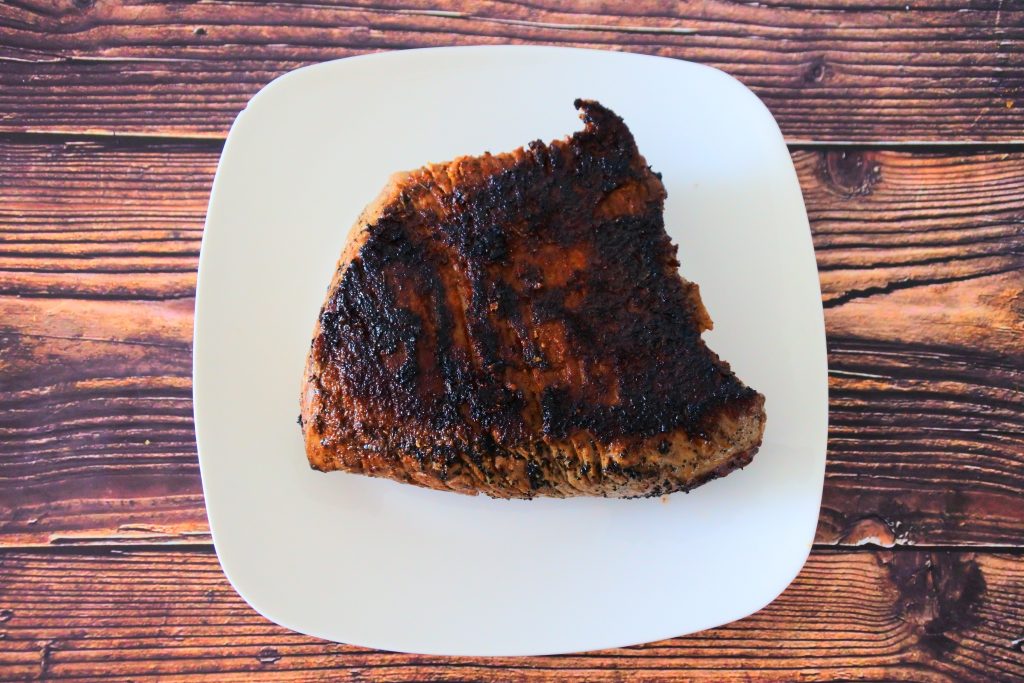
535,475
557,412
490,246
549,305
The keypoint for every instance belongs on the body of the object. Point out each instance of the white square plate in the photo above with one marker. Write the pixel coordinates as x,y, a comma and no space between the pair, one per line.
380,564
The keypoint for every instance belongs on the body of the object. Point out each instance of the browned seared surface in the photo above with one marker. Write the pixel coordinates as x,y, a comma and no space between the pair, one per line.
516,325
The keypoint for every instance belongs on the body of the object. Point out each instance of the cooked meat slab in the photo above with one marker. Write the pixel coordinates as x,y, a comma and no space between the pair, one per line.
516,325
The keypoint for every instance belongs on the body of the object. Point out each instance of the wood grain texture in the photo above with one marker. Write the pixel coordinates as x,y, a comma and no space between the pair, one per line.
921,261
922,269
870,71
96,435
908,615
117,220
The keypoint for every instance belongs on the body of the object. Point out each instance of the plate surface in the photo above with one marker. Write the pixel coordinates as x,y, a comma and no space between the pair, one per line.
383,565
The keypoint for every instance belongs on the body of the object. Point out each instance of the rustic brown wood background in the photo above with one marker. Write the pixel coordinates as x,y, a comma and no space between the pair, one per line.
112,116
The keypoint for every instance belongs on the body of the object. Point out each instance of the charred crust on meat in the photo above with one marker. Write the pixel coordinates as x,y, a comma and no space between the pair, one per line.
441,326
535,474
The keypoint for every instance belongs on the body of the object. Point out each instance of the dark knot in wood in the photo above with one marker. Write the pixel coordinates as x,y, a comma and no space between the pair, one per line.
817,71
939,594
851,173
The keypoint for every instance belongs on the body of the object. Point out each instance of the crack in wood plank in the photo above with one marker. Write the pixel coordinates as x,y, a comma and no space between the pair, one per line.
908,283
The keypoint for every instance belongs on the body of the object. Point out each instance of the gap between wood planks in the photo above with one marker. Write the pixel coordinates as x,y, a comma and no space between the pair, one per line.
110,545
217,140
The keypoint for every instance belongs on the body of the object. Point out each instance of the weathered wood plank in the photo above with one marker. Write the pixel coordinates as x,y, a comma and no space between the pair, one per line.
906,615
117,220
868,71
922,268
96,435
921,260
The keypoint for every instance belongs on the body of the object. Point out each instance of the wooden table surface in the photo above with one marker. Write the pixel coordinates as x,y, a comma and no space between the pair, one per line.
906,126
